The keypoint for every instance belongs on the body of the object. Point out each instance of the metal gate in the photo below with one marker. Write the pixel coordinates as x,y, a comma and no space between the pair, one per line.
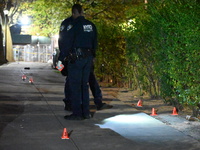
33,53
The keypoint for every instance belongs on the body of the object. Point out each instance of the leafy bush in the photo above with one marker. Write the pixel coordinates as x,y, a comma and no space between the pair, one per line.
166,47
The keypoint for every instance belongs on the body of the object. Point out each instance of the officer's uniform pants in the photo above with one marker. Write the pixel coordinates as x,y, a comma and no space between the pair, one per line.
66,91
78,76
94,87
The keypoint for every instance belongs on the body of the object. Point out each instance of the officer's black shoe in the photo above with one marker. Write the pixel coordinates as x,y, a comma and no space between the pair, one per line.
104,106
73,117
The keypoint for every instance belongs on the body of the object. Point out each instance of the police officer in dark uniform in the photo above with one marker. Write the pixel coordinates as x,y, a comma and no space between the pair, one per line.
94,86
79,45
66,25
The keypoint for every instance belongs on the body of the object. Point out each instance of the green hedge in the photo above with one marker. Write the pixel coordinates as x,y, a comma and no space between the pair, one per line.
164,49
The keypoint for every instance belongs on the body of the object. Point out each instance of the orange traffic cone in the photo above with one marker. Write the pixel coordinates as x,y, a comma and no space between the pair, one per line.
139,104
174,111
30,80
23,77
65,134
153,112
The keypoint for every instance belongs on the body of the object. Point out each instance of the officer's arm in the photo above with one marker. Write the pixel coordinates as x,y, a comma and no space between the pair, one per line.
60,45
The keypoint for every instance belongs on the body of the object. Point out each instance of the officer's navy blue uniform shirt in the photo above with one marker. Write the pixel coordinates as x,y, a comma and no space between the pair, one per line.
86,34
78,33
65,38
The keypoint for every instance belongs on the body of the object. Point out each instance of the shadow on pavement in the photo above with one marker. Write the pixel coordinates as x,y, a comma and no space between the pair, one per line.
9,111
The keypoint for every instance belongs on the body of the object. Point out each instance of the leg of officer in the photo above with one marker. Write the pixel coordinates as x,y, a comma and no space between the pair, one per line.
75,77
66,100
78,75
96,92
85,88
95,89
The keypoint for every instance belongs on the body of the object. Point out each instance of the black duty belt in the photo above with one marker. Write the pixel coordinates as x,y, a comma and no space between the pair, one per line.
78,53
82,52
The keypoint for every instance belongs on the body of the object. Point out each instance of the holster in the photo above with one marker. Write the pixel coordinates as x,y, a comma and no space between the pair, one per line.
79,53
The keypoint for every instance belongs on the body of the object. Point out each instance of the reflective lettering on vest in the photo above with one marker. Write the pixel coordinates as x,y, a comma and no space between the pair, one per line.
87,28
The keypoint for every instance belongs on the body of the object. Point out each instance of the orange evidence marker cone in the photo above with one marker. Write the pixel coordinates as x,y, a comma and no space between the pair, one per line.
139,104
65,134
23,77
174,111
153,112
31,80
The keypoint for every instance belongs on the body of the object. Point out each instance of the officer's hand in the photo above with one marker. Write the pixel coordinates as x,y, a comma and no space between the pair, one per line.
60,66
